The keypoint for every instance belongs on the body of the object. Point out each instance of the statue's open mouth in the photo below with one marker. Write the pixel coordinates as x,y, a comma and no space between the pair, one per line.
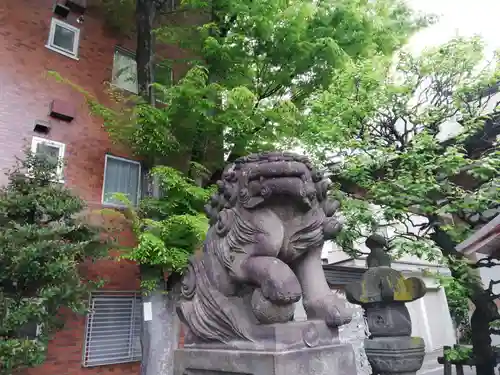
278,180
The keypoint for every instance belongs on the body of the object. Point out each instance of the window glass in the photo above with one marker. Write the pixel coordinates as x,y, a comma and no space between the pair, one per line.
64,38
121,176
125,71
51,152
164,76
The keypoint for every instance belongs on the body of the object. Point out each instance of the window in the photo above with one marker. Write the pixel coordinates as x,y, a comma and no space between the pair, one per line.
52,150
124,74
121,176
113,328
63,38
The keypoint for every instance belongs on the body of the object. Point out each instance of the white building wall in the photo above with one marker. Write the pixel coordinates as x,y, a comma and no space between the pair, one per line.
431,320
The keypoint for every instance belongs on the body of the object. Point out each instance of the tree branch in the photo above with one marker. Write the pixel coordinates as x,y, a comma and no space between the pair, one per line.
487,262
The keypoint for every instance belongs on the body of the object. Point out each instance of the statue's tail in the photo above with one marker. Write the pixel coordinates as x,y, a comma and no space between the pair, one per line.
209,314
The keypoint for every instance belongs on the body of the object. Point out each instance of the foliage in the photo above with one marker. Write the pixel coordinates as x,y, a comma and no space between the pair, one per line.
386,128
42,240
458,354
256,64
457,296
169,228
382,123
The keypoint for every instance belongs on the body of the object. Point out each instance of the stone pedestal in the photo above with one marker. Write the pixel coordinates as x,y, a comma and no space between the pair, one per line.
298,348
323,360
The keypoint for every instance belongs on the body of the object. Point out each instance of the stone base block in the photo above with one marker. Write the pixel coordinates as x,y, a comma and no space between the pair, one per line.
320,360
395,355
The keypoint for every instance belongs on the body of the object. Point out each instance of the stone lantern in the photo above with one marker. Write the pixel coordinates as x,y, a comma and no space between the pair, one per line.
383,292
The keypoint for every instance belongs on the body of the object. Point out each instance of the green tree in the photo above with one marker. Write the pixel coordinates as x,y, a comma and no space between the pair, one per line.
169,228
42,240
255,65
384,126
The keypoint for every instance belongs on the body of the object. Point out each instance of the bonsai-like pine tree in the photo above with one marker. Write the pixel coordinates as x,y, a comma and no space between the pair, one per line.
43,238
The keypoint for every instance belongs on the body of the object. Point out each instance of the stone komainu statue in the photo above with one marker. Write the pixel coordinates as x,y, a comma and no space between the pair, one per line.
262,252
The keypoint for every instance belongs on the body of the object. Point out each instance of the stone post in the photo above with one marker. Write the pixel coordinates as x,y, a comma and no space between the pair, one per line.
383,292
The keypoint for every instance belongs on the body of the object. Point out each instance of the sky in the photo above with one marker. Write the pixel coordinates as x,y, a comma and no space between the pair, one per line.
458,17
465,17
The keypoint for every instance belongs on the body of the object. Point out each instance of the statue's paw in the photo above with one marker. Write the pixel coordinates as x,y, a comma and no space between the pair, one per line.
337,316
331,227
282,291
330,308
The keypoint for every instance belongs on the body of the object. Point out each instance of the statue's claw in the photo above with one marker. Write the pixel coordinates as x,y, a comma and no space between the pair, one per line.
330,308
336,317
282,291
278,282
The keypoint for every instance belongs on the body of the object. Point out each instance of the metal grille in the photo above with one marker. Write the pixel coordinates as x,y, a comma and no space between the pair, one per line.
113,329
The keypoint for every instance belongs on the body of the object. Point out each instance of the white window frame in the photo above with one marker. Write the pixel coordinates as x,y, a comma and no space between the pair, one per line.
139,178
135,313
130,54
76,41
35,141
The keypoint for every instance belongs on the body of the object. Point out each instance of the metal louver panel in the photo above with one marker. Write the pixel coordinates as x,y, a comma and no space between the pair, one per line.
342,275
113,329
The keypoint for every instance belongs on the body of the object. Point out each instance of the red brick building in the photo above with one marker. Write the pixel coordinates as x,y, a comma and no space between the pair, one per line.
38,112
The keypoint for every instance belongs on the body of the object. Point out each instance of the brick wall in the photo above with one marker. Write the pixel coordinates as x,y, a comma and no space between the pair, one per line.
26,91
25,94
